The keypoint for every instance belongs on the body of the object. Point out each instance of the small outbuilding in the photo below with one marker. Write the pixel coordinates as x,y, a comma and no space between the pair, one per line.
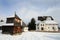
25,27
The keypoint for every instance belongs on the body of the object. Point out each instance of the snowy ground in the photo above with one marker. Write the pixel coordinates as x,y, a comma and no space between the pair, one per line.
31,36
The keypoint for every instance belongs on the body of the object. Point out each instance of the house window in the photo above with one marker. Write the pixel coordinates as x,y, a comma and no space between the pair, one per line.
48,27
38,27
42,28
10,20
53,28
42,24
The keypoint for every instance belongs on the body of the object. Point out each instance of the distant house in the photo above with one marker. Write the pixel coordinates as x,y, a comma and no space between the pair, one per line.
46,23
1,25
1,22
24,26
13,25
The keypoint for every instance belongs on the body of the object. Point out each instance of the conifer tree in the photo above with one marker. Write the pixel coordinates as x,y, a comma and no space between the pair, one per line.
32,25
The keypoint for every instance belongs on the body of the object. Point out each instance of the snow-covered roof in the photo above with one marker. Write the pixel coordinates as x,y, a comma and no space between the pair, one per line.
8,24
1,23
50,22
11,16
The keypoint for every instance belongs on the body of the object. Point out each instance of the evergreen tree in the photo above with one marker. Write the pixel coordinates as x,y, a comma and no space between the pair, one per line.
32,25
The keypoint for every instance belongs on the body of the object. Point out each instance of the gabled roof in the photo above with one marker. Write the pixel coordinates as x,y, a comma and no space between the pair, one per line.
17,16
14,16
43,18
23,24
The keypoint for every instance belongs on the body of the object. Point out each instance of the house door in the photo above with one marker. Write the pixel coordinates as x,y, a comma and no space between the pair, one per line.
42,28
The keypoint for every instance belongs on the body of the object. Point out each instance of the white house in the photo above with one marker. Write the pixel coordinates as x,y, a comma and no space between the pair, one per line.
47,25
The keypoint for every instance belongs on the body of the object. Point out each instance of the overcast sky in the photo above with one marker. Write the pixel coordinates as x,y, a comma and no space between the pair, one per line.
26,9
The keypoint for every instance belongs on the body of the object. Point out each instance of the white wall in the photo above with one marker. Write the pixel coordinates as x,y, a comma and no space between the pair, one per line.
47,27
